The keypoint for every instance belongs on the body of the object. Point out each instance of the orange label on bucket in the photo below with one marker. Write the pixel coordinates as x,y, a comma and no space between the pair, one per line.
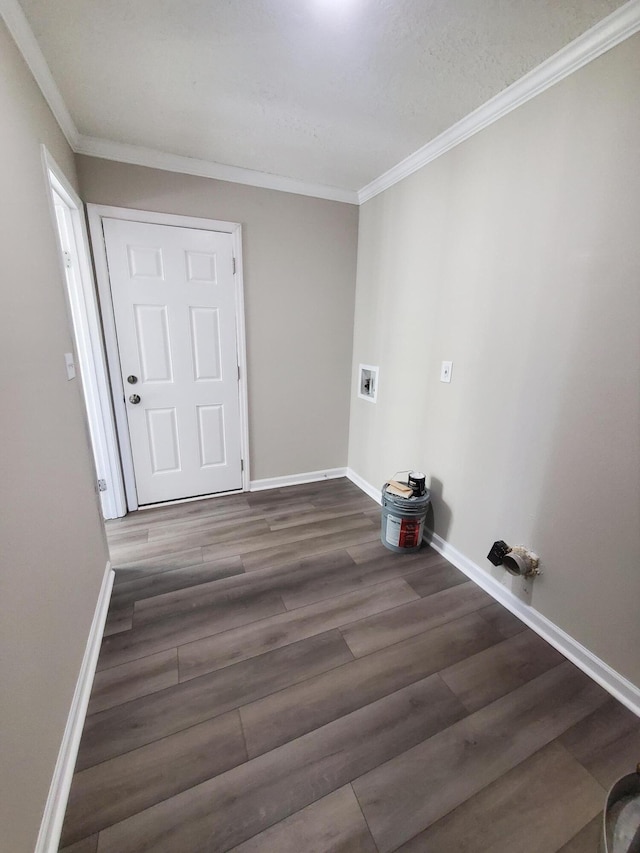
404,532
409,532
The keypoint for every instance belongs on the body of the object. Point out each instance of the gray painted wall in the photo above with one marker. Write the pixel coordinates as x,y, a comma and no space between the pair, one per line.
53,548
299,277
516,255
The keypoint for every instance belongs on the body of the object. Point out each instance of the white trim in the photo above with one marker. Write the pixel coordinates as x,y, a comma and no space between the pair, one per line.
297,479
107,149
96,213
606,34
367,488
619,687
241,344
51,825
88,340
27,44
607,677
154,159
113,360
134,215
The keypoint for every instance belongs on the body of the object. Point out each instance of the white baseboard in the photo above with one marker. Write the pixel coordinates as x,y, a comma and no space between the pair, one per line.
297,479
51,826
617,685
367,488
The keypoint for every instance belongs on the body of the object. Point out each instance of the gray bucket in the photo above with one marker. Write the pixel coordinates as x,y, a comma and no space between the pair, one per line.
403,521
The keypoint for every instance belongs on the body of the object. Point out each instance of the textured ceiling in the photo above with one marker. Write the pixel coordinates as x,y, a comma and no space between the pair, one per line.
333,92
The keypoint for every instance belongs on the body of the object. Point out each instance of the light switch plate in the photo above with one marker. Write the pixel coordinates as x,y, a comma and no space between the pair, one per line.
445,371
70,365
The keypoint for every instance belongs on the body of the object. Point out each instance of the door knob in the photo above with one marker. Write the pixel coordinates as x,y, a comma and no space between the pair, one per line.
134,398
132,379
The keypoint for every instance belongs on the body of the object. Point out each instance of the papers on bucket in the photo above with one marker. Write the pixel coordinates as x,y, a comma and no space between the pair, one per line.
402,490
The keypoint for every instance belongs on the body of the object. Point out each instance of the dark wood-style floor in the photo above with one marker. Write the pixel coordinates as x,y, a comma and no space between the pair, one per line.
273,679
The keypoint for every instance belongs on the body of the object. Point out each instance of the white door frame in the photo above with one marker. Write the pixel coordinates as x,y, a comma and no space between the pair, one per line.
96,213
90,353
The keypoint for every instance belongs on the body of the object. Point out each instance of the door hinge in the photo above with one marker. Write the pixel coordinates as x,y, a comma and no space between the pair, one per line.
234,265
67,260
238,373
102,485
242,464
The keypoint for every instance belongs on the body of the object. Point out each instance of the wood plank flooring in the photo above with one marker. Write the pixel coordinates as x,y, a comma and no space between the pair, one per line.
273,680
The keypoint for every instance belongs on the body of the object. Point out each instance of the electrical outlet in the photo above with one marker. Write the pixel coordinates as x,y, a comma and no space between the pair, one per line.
445,371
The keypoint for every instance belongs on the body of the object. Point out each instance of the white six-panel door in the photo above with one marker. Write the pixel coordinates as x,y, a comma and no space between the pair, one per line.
174,308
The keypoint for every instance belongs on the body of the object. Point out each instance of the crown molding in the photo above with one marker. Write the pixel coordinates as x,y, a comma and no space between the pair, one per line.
603,36
140,156
22,34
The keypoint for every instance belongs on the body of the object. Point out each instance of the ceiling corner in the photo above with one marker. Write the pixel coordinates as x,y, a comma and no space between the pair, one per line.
22,34
137,155
603,36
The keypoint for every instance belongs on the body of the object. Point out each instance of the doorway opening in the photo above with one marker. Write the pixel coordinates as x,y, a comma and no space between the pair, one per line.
172,307
68,217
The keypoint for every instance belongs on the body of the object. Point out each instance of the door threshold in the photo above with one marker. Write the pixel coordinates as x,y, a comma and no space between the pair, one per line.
190,500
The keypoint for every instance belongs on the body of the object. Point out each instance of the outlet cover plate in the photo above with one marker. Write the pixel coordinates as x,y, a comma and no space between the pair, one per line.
368,382
445,371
